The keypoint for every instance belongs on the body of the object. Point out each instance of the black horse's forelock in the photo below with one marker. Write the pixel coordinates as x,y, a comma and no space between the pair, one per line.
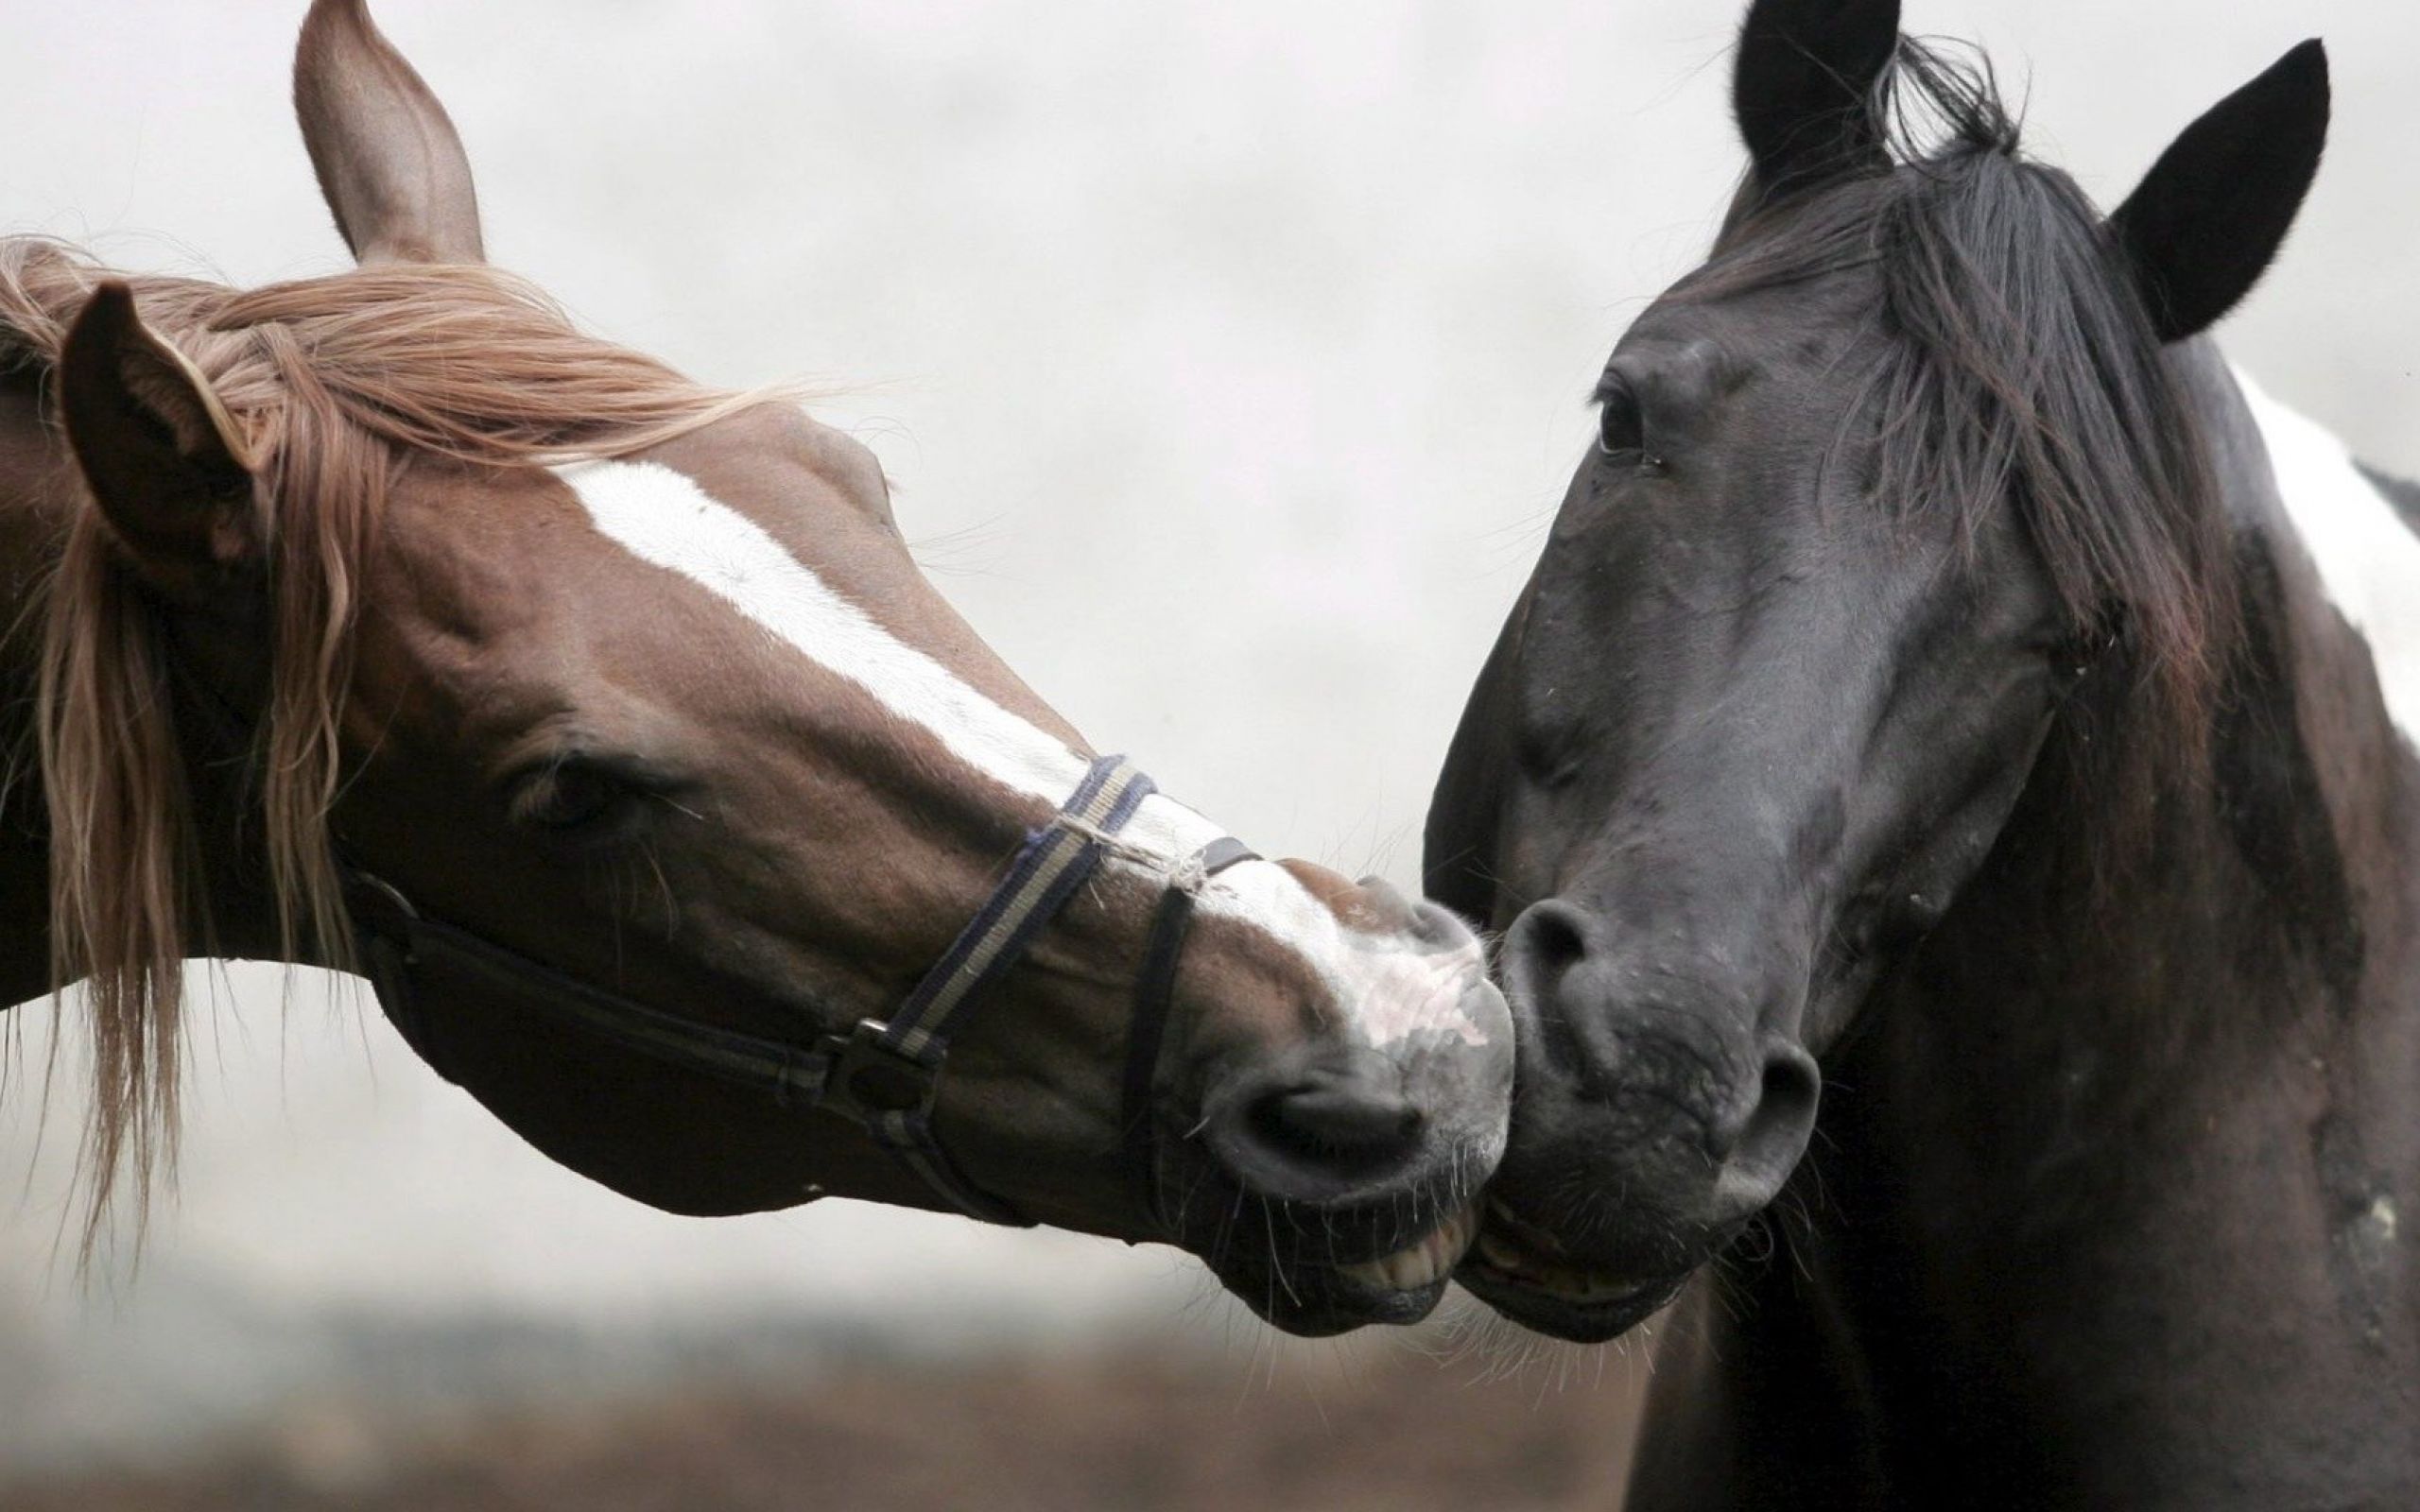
2015,365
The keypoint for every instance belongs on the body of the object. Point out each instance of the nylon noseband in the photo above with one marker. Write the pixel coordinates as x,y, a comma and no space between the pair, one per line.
883,1075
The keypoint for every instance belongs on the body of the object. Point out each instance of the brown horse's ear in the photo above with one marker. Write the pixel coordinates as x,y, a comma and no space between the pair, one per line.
389,164
162,457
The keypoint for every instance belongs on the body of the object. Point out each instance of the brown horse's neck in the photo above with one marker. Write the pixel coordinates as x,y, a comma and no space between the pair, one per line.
37,493
2105,1203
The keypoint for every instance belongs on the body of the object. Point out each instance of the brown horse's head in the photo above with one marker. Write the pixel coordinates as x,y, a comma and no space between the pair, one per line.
636,679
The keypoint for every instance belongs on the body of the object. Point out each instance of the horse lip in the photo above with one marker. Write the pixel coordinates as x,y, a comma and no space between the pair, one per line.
1319,1298
1528,1235
1525,1272
1313,1302
1590,1320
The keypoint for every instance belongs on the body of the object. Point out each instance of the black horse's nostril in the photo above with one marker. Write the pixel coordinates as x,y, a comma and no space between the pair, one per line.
1546,946
1761,1148
1314,1133
1546,943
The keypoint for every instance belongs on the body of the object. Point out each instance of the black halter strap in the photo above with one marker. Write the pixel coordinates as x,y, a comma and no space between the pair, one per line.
1154,992
885,1074
882,1075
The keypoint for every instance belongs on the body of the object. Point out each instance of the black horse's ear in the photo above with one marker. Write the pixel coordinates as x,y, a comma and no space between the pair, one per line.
1806,72
2202,225
165,462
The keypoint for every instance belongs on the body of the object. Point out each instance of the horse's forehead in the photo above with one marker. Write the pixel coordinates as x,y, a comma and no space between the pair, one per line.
1758,328
497,584
474,551
787,563
485,544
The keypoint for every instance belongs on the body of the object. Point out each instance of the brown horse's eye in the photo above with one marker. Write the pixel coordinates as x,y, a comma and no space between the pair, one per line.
571,797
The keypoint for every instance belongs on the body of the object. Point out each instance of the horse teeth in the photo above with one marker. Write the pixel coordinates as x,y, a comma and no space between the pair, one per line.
1424,1263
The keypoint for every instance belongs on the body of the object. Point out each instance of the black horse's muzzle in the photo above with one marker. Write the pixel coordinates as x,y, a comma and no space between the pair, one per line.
1654,1115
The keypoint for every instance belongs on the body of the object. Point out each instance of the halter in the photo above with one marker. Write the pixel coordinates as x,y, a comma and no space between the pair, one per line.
882,1075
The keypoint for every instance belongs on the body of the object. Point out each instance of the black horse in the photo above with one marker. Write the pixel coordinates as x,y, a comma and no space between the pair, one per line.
1949,685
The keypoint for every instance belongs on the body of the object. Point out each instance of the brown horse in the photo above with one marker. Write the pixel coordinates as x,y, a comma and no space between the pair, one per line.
604,719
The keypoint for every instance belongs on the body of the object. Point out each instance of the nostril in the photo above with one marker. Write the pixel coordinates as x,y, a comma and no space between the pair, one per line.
1439,925
1557,1028
1430,924
1384,903
1313,1134
1549,938
1324,1120
1775,1133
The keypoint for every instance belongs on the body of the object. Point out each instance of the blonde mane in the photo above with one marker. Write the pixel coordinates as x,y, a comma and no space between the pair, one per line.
334,383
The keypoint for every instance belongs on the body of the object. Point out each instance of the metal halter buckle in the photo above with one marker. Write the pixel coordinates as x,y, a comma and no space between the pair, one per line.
870,1078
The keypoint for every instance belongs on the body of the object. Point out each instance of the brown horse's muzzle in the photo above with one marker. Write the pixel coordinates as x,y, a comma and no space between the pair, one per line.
1332,1178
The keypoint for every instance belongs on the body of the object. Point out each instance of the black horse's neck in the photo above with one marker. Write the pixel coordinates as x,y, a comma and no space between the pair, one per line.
2114,1172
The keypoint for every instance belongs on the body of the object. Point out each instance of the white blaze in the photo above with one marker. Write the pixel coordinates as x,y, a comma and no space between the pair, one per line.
2368,559
1394,990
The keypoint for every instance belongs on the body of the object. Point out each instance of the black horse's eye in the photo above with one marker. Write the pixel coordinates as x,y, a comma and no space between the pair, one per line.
1621,428
572,798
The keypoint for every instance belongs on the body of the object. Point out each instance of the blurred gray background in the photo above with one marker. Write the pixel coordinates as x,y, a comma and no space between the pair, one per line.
1297,298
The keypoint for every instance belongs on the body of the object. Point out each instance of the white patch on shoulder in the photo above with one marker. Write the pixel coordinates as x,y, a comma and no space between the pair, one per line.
1394,990
2368,559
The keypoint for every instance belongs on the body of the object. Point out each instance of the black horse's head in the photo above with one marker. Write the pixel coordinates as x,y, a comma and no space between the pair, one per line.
1900,485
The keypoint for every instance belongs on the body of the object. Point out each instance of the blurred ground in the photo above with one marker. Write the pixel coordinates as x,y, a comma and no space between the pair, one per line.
1134,1432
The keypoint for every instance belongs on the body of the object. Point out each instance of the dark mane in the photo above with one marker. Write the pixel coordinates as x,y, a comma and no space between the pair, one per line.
2015,363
